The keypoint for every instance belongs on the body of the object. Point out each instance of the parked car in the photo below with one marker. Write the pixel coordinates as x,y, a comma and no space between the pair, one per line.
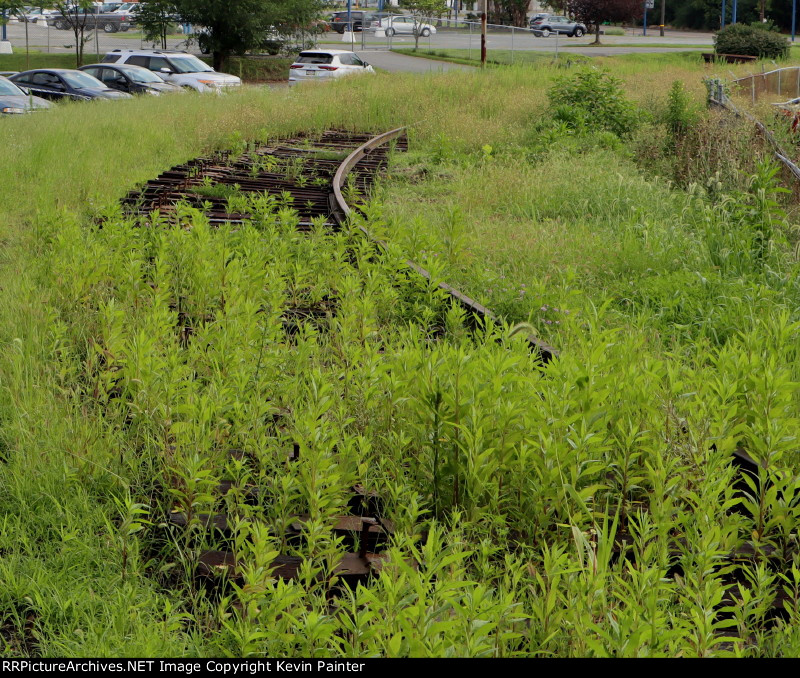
546,25
62,84
271,42
403,25
131,79
538,17
358,18
110,22
179,68
37,15
318,64
13,101
126,8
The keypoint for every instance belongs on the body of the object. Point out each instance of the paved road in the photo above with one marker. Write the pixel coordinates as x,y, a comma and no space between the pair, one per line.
49,39
395,63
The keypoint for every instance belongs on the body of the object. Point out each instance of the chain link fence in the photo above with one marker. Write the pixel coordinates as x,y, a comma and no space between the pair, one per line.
449,36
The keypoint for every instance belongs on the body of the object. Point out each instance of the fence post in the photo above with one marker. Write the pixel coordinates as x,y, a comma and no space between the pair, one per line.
512,44
469,51
780,89
753,86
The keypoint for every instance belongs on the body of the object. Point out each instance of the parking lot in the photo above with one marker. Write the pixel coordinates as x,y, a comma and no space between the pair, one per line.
49,39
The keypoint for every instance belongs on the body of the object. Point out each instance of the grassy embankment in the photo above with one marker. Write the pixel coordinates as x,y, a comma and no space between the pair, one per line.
677,322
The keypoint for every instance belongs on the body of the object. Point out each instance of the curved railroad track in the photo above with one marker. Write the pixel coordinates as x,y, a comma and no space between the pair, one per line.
315,176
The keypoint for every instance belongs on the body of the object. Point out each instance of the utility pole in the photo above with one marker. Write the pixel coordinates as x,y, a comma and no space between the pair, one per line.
794,15
483,39
733,18
722,22
663,15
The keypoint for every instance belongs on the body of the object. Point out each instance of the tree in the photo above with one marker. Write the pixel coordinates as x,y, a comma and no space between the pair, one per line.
595,12
9,8
238,26
513,12
558,6
156,17
76,14
423,9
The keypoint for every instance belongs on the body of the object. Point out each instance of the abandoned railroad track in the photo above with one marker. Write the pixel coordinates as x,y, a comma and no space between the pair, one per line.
318,178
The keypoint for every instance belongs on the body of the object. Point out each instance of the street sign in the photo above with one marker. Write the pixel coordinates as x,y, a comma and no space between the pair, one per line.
649,4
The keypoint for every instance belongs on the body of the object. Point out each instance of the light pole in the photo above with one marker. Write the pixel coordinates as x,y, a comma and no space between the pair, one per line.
722,23
733,18
794,14
4,27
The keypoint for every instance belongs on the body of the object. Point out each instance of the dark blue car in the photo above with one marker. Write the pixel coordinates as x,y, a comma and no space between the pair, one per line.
62,84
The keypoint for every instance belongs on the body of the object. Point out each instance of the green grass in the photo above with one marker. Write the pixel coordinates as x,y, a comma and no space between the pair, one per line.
509,485
518,57
19,61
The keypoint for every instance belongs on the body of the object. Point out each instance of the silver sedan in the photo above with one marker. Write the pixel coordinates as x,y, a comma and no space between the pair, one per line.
402,25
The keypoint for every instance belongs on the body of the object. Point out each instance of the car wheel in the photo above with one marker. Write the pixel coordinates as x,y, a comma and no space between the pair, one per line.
390,32
425,32
109,27
577,33
545,32
58,24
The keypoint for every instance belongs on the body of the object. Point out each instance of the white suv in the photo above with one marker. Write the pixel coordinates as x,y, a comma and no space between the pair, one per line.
179,68
316,64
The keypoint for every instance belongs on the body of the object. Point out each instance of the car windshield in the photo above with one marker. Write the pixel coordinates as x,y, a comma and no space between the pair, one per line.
141,75
189,64
313,58
9,88
80,80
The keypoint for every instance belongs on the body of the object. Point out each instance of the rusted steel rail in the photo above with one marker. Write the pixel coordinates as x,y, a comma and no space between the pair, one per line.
351,163
297,172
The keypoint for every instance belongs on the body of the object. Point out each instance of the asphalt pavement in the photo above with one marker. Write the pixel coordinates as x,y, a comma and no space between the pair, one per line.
402,63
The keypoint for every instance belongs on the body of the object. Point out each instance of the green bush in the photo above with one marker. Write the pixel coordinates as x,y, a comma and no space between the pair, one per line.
752,41
593,99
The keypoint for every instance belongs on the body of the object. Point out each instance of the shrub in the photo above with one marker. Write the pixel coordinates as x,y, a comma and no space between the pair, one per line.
752,41
680,115
593,98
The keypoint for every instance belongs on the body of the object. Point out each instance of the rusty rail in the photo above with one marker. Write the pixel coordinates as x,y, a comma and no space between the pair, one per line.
545,351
